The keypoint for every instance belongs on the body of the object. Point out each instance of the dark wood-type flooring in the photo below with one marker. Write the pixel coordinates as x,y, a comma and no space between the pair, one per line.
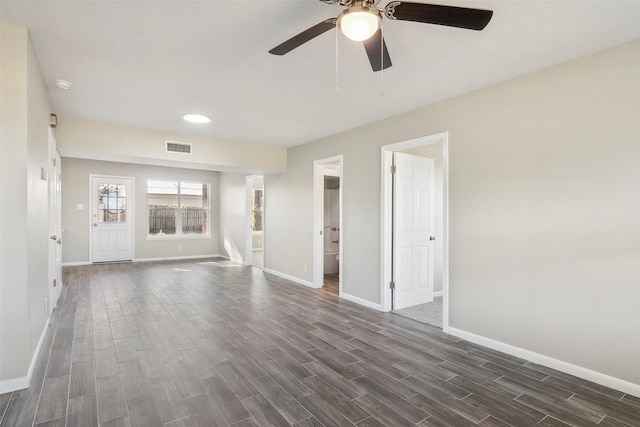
204,344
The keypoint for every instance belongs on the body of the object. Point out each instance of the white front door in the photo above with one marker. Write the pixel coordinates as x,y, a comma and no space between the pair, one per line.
55,225
111,218
413,230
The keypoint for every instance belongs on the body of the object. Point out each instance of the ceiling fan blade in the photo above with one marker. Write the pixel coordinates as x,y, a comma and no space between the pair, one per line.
451,16
377,52
304,37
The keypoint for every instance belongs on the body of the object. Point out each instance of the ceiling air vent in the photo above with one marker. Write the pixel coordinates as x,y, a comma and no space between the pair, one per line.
178,147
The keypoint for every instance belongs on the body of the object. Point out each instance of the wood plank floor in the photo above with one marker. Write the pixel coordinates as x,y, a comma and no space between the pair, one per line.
201,343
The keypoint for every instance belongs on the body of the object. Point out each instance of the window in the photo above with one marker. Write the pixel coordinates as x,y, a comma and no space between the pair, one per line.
178,208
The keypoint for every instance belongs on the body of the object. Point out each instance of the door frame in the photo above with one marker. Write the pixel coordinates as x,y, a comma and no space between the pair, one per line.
386,235
248,256
55,220
130,212
318,221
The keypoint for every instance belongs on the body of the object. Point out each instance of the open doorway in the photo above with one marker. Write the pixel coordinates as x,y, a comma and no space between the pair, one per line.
415,229
327,265
255,214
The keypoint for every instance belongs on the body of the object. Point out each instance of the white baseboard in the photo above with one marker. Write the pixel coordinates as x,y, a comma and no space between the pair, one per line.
167,258
177,258
362,302
437,294
7,386
20,383
291,278
75,263
569,368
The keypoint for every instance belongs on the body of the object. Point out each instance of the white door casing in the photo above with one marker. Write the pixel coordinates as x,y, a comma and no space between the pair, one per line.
413,231
111,218
55,224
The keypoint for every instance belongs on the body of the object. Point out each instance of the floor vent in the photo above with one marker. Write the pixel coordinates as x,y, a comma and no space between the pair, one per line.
178,147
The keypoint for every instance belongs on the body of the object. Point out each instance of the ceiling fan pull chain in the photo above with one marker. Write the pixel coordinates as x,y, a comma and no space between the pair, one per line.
381,58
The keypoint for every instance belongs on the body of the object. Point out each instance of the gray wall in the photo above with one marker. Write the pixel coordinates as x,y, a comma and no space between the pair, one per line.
75,190
24,217
233,216
544,209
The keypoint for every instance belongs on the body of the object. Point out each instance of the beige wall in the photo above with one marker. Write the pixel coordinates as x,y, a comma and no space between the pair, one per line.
75,191
88,139
24,242
544,209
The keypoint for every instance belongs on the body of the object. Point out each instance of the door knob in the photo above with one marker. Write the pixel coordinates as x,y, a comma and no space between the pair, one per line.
59,241
95,224
54,237
432,238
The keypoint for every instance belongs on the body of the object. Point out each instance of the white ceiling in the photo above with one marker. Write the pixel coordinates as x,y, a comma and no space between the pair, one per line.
145,63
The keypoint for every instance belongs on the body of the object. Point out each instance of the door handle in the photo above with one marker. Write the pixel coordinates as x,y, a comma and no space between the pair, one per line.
95,224
59,241
54,237
432,238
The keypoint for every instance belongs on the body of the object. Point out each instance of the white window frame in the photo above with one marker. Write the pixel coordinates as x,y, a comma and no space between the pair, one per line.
178,210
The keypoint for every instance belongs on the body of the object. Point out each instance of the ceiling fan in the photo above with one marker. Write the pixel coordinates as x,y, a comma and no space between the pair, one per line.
362,20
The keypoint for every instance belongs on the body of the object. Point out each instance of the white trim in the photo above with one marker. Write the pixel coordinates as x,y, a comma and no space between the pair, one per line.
291,278
169,258
438,294
20,383
34,359
175,258
385,223
362,302
14,384
541,359
74,263
178,236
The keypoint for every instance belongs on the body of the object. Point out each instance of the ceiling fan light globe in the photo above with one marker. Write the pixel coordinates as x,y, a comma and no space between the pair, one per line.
359,23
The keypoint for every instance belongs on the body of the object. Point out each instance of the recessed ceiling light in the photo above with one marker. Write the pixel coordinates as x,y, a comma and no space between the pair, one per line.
63,84
196,118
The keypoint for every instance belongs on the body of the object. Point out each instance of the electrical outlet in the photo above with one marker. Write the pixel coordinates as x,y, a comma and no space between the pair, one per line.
305,268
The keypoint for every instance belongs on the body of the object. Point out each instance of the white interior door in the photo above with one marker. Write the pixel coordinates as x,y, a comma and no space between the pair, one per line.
413,230
55,225
111,218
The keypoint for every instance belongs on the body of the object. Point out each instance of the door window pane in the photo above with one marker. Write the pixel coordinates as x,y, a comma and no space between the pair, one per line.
112,202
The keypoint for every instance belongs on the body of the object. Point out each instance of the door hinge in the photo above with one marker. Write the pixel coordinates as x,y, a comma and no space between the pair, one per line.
392,285
55,283
393,169
54,162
